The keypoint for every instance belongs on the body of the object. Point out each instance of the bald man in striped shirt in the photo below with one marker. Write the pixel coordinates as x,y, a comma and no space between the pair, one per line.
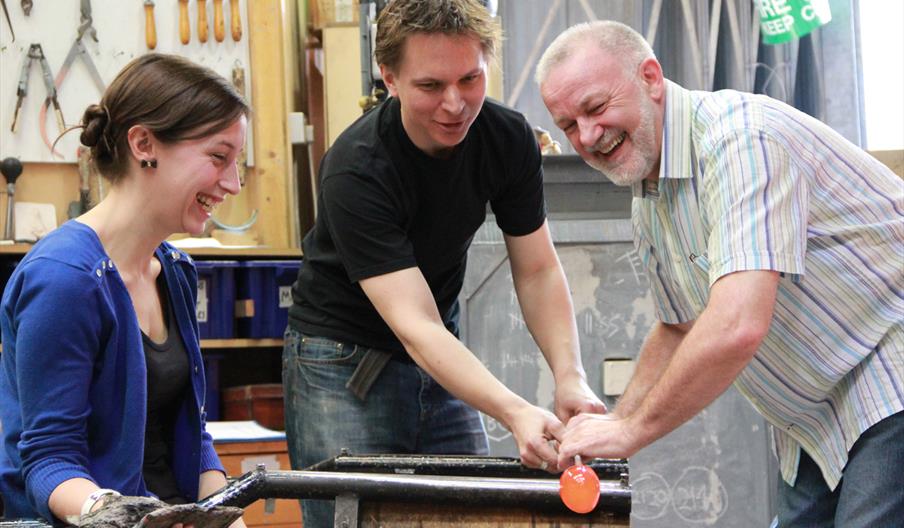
775,251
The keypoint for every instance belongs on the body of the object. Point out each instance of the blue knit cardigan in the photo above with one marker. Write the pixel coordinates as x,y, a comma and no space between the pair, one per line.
73,378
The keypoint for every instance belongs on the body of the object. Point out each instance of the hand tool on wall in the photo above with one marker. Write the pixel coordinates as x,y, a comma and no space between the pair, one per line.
238,81
8,20
86,24
202,21
184,28
81,206
235,20
96,190
36,53
26,7
75,51
150,30
219,30
11,168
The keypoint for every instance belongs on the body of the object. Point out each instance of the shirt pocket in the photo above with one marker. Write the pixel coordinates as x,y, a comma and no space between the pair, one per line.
700,263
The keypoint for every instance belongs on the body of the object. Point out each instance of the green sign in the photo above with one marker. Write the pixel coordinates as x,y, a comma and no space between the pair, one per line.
785,20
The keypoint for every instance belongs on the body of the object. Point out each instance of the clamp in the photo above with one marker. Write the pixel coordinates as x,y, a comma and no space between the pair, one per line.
36,53
76,50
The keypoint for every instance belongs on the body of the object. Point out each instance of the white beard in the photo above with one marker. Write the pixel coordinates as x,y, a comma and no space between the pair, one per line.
643,156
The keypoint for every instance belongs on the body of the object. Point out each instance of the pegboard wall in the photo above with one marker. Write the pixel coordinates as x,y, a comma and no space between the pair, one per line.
120,29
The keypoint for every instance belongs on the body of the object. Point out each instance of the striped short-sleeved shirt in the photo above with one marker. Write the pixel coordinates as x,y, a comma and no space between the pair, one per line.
749,183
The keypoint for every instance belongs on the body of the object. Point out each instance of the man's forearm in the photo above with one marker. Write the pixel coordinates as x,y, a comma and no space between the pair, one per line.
453,366
722,341
655,354
549,314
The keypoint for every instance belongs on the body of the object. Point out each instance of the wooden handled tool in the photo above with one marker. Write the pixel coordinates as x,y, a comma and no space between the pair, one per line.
238,81
235,20
202,21
184,28
150,30
219,30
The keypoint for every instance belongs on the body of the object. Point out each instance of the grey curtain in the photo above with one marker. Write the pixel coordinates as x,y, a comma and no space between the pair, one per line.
702,44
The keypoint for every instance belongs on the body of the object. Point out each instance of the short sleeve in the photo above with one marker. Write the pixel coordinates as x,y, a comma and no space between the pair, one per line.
366,225
519,206
756,202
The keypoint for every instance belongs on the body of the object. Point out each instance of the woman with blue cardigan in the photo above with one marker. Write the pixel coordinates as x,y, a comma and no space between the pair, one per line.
101,377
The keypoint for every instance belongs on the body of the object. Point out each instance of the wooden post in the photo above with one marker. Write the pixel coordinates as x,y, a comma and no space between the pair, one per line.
272,185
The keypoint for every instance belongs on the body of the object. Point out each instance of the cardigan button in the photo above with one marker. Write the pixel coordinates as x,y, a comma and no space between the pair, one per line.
196,369
99,273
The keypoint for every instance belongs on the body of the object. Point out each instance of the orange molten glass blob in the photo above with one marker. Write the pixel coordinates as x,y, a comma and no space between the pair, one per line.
579,488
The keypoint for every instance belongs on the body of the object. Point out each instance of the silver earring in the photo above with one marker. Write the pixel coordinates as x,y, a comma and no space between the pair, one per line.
149,164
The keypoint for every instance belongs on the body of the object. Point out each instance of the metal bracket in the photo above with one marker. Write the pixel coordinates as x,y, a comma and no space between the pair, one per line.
235,228
346,511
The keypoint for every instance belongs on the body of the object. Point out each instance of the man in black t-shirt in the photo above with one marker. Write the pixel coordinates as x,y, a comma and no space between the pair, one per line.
372,361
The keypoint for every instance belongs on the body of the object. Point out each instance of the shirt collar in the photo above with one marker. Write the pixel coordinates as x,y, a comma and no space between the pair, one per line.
676,157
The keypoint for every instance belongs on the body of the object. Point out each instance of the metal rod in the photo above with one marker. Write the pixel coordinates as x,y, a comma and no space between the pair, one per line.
537,493
459,465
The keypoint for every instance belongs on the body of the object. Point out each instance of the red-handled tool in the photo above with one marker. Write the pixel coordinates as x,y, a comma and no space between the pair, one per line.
579,487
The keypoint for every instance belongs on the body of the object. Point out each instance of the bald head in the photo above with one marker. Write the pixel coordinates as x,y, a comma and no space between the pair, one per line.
613,38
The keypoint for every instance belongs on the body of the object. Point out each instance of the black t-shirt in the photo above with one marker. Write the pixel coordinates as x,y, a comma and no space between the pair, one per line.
168,379
384,205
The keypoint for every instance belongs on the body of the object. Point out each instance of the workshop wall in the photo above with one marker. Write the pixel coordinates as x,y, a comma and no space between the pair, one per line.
266,51
120,30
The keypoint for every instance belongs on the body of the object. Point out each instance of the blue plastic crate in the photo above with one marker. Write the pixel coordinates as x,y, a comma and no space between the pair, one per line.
216,298
264,288
212,378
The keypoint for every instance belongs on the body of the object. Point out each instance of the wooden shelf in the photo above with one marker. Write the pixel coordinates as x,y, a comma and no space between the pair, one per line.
209,344
15,249
240,343
21,249
246,252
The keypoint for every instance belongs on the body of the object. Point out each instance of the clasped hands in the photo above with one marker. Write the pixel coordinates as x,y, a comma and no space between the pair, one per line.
588,431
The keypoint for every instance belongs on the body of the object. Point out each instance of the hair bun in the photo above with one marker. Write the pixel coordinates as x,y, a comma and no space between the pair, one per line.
94,122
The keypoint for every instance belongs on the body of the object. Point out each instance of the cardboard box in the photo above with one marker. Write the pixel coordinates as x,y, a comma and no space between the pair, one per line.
262,403
325,13
240,457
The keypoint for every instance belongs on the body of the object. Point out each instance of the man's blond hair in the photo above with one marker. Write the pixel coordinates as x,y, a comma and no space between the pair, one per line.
402,18
611,37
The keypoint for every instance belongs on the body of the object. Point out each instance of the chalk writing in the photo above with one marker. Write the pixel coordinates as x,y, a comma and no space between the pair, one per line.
698,496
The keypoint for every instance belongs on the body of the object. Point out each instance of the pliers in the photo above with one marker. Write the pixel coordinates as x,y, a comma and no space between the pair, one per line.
76,50
36,53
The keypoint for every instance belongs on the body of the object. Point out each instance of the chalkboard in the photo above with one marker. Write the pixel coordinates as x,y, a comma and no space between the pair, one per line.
120,29
716,470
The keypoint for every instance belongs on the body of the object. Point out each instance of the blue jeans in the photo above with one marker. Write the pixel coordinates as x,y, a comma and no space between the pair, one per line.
405,411
870,492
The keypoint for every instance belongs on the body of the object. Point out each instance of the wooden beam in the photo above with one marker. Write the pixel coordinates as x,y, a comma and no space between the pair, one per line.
271,189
